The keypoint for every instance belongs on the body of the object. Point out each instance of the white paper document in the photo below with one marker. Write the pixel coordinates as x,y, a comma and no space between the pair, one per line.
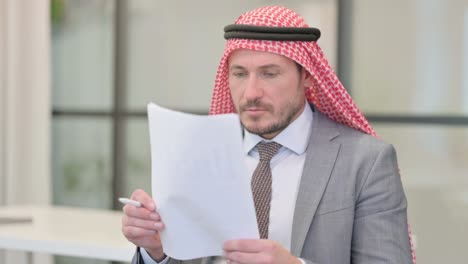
199,182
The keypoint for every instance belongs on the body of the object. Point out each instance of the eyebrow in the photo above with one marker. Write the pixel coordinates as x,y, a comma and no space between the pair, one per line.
263,67
270,66
236,67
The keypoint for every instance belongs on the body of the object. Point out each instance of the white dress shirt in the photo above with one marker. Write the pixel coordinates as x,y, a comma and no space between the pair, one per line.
286,169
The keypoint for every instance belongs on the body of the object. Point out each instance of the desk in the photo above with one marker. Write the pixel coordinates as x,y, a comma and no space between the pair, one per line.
79,232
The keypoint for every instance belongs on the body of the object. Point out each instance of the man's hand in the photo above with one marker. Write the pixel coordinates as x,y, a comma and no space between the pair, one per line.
247,251
141,226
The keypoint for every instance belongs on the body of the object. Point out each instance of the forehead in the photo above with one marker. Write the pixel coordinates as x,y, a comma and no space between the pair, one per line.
253,58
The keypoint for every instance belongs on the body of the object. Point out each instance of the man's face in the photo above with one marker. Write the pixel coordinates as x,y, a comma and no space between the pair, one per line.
267,90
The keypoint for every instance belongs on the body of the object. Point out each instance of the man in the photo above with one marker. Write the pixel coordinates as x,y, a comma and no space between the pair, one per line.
325,190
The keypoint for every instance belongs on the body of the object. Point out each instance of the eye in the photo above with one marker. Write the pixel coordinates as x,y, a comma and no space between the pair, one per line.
270,74
239,74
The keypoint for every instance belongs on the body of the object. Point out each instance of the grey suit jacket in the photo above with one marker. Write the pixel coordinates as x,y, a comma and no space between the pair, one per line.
351,207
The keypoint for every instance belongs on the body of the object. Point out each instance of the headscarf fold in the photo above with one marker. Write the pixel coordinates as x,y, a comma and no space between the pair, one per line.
327,93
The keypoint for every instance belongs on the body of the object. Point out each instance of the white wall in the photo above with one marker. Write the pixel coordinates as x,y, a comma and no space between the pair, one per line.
24,107
24,95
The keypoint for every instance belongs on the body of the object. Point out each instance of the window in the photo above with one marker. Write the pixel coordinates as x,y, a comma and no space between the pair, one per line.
407,72
111,58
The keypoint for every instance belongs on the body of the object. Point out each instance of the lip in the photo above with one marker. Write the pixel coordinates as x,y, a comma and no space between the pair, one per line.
254,111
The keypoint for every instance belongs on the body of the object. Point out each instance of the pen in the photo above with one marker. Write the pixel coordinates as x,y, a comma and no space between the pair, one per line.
130,202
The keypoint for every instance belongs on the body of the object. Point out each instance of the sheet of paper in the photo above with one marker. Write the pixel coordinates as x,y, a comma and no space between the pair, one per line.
199,182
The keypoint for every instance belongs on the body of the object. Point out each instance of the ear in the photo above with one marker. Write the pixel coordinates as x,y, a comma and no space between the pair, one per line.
306,78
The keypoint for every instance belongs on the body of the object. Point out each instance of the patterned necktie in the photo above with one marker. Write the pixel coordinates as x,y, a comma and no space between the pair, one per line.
261,185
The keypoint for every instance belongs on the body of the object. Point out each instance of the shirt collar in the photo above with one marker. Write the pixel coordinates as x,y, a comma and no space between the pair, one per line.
295,137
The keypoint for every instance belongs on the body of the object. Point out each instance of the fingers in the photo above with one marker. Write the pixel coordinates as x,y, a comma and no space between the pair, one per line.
142,217
248,245
242,257
148,239
147,211
141,212
144,199
142,223
133,233
257,251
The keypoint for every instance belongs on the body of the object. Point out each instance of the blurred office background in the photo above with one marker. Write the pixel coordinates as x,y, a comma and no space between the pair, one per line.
76,75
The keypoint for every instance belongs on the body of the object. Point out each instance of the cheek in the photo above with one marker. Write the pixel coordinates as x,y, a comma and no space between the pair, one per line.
235,97
235,88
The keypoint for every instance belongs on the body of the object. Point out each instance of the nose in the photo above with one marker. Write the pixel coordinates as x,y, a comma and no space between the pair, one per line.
253,89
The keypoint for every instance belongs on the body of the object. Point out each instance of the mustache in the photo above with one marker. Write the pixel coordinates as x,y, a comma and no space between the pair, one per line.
256,104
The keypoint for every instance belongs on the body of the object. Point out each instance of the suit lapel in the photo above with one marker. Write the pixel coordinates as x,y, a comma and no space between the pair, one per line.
320,160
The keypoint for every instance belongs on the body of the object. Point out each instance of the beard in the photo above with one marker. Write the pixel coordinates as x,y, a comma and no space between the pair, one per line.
282,117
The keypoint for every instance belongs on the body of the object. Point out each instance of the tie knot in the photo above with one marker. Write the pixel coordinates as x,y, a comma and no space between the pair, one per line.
267,150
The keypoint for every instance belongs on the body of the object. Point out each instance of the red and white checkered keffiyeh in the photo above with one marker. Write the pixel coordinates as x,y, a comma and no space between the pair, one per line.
327,93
